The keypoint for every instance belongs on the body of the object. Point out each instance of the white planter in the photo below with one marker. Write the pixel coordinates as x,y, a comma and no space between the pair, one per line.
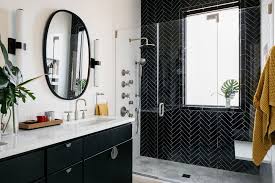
227,102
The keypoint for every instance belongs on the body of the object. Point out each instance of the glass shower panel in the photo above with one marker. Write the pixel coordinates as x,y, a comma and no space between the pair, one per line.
201,58
137,84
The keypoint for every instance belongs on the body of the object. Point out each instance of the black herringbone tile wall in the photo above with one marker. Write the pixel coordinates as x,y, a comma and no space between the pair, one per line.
199,136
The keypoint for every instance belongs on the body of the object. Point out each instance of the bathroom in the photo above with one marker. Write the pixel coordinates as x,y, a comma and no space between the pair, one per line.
183,129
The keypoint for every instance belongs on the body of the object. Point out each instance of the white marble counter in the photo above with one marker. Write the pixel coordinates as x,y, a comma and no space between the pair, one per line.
26,141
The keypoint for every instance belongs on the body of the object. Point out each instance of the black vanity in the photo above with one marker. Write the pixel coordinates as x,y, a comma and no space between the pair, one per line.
101,157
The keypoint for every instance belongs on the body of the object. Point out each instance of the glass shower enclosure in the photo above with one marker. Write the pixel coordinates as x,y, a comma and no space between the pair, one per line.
184,128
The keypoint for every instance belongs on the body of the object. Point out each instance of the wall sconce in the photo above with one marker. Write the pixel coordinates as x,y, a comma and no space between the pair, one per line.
95,61
17,44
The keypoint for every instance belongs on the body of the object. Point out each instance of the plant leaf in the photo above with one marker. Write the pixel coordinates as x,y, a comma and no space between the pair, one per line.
4,51
230,88
27,92
30,80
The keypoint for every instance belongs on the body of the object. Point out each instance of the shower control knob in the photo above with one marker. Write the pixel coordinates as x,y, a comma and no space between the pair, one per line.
131,102
124,84
130,115
125,72
124,95
124,111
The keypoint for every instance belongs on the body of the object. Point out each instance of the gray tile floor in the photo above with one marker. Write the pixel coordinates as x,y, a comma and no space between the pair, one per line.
172,172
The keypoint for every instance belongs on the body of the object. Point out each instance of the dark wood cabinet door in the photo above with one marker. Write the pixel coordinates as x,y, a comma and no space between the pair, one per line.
111,166
23,169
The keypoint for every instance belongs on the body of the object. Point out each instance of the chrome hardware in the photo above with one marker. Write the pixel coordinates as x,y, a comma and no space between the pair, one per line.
129,83
124,111
69,145
131,102
68,115
76,108
124,84
69,170
124,95
83,113
161,110
114,153
125,72
137,110
130,115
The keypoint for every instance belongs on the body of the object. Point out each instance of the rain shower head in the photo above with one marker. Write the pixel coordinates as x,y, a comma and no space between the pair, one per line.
146,45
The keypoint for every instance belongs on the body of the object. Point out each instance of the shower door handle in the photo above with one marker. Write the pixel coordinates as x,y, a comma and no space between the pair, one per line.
161,109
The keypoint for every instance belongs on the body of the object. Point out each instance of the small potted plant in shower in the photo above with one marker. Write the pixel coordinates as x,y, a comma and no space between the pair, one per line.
12,88
229,90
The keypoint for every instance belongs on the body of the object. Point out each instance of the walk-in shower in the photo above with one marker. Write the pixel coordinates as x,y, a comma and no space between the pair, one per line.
183,64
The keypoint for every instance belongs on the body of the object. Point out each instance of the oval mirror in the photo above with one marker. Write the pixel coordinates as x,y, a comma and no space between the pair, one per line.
66,52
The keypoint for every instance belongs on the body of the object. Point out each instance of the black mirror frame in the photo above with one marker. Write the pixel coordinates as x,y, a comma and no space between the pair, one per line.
46,30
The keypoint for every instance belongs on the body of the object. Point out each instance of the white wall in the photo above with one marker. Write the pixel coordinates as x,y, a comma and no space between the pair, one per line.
100,17
126,55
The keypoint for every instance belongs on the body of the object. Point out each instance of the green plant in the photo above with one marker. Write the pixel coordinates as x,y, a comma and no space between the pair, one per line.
230,88
12,86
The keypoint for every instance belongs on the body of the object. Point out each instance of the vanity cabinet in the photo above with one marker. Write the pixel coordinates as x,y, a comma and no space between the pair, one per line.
102,157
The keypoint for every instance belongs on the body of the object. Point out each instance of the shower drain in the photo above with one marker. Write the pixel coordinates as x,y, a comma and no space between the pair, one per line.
186,176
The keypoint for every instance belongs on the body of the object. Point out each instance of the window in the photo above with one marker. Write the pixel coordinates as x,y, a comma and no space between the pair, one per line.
212,43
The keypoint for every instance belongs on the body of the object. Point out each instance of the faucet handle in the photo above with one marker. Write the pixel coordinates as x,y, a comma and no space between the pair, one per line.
83,113
68,115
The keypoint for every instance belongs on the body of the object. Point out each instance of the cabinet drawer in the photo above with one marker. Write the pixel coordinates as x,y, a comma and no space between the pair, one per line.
104,140
72,174
23,169
64,155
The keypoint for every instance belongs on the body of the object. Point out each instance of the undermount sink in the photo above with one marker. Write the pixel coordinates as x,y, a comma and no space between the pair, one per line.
95,121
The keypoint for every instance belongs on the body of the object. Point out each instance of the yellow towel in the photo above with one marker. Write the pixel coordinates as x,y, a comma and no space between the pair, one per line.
264,101
102,110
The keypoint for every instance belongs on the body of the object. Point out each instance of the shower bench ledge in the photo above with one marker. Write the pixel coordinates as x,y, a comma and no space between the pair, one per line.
243,151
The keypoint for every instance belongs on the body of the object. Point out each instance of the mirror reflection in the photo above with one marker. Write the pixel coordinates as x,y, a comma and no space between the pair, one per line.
67,55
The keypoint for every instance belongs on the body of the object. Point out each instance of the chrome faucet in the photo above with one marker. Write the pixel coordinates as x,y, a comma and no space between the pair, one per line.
76,108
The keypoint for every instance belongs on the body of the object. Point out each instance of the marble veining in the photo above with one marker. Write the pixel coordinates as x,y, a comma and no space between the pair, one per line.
26,141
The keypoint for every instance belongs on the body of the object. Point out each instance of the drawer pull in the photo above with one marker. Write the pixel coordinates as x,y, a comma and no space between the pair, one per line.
114,153
69,170
69,145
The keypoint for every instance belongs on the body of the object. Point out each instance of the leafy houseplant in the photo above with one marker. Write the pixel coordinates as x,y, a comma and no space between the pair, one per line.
229,89
12,88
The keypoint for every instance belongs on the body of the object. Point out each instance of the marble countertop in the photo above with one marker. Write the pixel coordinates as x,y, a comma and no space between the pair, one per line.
26,141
